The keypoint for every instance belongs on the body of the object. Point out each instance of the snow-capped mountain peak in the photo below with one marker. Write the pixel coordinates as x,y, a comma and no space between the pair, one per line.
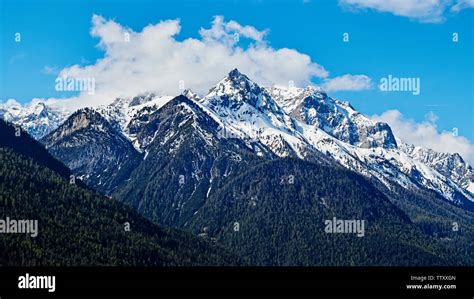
237,88
313,106
449,165
191,95
248,109
37,118
289,97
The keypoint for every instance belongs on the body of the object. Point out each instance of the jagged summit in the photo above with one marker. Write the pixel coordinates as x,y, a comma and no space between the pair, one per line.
238,87
248,109
235,73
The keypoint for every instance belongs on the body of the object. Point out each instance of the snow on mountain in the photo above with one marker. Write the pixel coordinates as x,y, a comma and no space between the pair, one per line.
370,148
356,142
291,121
246,108
395,166
287,122
37,118
449,165
127,114
313,106
191,95
93,149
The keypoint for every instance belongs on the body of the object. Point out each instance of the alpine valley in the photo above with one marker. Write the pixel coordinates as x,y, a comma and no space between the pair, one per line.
258,171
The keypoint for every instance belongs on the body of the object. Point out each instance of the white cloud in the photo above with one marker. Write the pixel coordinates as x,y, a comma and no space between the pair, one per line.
431,11
227,31
426,134
155,60
462,4
347,82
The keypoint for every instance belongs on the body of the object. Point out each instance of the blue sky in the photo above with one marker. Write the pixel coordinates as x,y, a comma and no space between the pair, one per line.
57,34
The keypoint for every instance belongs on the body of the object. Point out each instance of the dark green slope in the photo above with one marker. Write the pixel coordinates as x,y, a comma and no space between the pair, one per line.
78,226
283,224
22,143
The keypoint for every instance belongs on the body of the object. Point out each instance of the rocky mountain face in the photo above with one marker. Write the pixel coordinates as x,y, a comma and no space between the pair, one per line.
127,115
368,147
186,159
449,165
314,107
93,149
205,164
248,112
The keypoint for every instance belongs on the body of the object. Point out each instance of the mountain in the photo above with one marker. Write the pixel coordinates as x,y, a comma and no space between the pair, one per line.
128,114
187,160
314,107
17,139
296,122
192,156
368,147
36,118
93,149
261,215
451,166
249,112
77,226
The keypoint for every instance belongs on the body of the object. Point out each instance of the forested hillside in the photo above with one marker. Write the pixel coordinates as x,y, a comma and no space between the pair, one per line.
77,226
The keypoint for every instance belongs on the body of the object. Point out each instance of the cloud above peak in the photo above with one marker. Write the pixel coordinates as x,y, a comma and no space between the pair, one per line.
153,60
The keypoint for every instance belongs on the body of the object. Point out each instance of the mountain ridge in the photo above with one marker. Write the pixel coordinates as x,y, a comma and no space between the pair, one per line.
303,123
